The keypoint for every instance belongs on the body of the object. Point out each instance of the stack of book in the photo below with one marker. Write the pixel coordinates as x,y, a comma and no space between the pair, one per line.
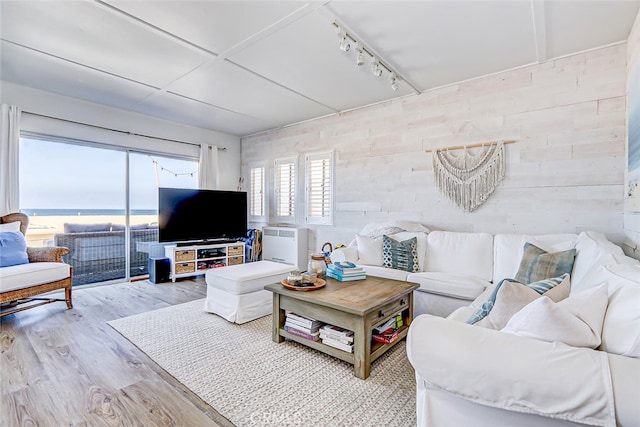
345,271
389,331
302,326
337,337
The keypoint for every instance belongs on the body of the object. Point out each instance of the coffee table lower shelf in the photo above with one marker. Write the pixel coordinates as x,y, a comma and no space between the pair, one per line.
377,348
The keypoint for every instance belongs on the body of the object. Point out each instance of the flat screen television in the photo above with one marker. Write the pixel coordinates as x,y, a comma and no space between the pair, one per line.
187,215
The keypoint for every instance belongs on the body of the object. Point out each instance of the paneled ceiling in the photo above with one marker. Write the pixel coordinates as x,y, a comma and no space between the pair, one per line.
242,67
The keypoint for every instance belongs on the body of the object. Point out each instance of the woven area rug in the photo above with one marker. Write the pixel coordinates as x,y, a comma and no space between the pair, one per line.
252,381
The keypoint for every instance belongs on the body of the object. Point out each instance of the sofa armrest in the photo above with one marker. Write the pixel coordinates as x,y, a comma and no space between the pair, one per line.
46,253
510,372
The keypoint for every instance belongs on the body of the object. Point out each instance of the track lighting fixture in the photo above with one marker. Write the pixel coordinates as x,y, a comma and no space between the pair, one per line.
394,82
359,57
344,43
378,67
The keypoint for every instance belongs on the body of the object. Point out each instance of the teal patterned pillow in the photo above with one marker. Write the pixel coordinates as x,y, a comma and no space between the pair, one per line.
400,255
538,264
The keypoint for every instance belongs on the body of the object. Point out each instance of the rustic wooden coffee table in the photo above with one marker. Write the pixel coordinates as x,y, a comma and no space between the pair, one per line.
358,306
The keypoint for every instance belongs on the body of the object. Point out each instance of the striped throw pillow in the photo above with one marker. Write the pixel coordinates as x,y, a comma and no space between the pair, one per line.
537,264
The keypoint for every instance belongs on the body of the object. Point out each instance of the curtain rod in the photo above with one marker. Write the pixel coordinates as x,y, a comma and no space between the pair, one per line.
459,147
121,131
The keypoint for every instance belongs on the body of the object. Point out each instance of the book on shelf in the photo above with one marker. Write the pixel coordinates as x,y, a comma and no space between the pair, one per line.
395,322
342,278
293,324
388,336
307,322
344,340
337,344
336,332
295,331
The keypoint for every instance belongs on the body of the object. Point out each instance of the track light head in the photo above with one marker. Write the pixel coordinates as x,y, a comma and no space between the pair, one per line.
344,43
359,57
394,82
377,69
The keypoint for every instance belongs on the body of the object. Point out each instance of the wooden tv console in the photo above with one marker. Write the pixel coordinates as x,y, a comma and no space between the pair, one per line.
188,261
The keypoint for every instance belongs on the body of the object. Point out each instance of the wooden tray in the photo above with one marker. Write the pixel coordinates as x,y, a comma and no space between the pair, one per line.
319,283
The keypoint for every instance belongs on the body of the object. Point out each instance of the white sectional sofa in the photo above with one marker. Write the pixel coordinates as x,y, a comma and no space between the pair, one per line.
455,267
471,375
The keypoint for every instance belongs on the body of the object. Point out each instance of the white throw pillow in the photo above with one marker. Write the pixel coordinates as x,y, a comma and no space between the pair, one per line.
576,321
369,250
594,251
10,226
621,329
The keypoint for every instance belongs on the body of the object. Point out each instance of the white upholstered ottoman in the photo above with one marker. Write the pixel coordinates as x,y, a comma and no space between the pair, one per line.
236,292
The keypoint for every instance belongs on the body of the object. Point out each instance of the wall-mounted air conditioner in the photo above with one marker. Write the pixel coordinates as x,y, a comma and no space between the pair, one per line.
287,245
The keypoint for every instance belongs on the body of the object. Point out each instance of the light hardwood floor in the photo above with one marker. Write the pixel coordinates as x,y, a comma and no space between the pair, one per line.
63,367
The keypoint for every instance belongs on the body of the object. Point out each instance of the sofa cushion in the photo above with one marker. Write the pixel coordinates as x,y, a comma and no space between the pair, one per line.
621,329
538,264
455,252
86,228
369,250
508,249
593,252
575,321
461,286
509,296
400,255
246,278
386,273
35,273
13,249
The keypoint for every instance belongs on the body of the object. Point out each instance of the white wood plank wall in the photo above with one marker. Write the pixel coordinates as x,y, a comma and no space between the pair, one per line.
564,174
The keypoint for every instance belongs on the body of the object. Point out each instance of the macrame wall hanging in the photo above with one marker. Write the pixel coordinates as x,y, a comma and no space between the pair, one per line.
468,179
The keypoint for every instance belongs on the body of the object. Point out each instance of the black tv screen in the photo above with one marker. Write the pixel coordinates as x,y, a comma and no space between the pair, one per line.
187,215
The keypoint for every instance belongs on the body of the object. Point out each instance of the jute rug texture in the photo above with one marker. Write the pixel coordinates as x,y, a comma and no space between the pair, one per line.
252,381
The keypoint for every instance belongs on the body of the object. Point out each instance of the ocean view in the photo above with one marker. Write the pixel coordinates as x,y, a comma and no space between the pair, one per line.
80,212
44,224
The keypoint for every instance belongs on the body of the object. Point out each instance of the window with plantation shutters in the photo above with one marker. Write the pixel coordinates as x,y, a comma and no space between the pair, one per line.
285,190
319,194
257,199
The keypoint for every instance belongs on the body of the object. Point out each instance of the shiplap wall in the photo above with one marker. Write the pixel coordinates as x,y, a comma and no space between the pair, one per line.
565,173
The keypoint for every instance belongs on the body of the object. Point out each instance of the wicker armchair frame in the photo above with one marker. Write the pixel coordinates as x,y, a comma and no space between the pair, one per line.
22,299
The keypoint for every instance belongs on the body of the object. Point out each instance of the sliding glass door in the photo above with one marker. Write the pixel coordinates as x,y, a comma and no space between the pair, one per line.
100,203
147,173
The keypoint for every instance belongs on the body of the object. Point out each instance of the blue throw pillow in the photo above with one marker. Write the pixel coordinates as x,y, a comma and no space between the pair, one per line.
13,249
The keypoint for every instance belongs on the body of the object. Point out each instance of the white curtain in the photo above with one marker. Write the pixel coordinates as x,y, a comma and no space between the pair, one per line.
9,142
208,177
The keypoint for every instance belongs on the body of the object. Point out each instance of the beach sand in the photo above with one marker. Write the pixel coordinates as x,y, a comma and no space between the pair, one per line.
42,228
